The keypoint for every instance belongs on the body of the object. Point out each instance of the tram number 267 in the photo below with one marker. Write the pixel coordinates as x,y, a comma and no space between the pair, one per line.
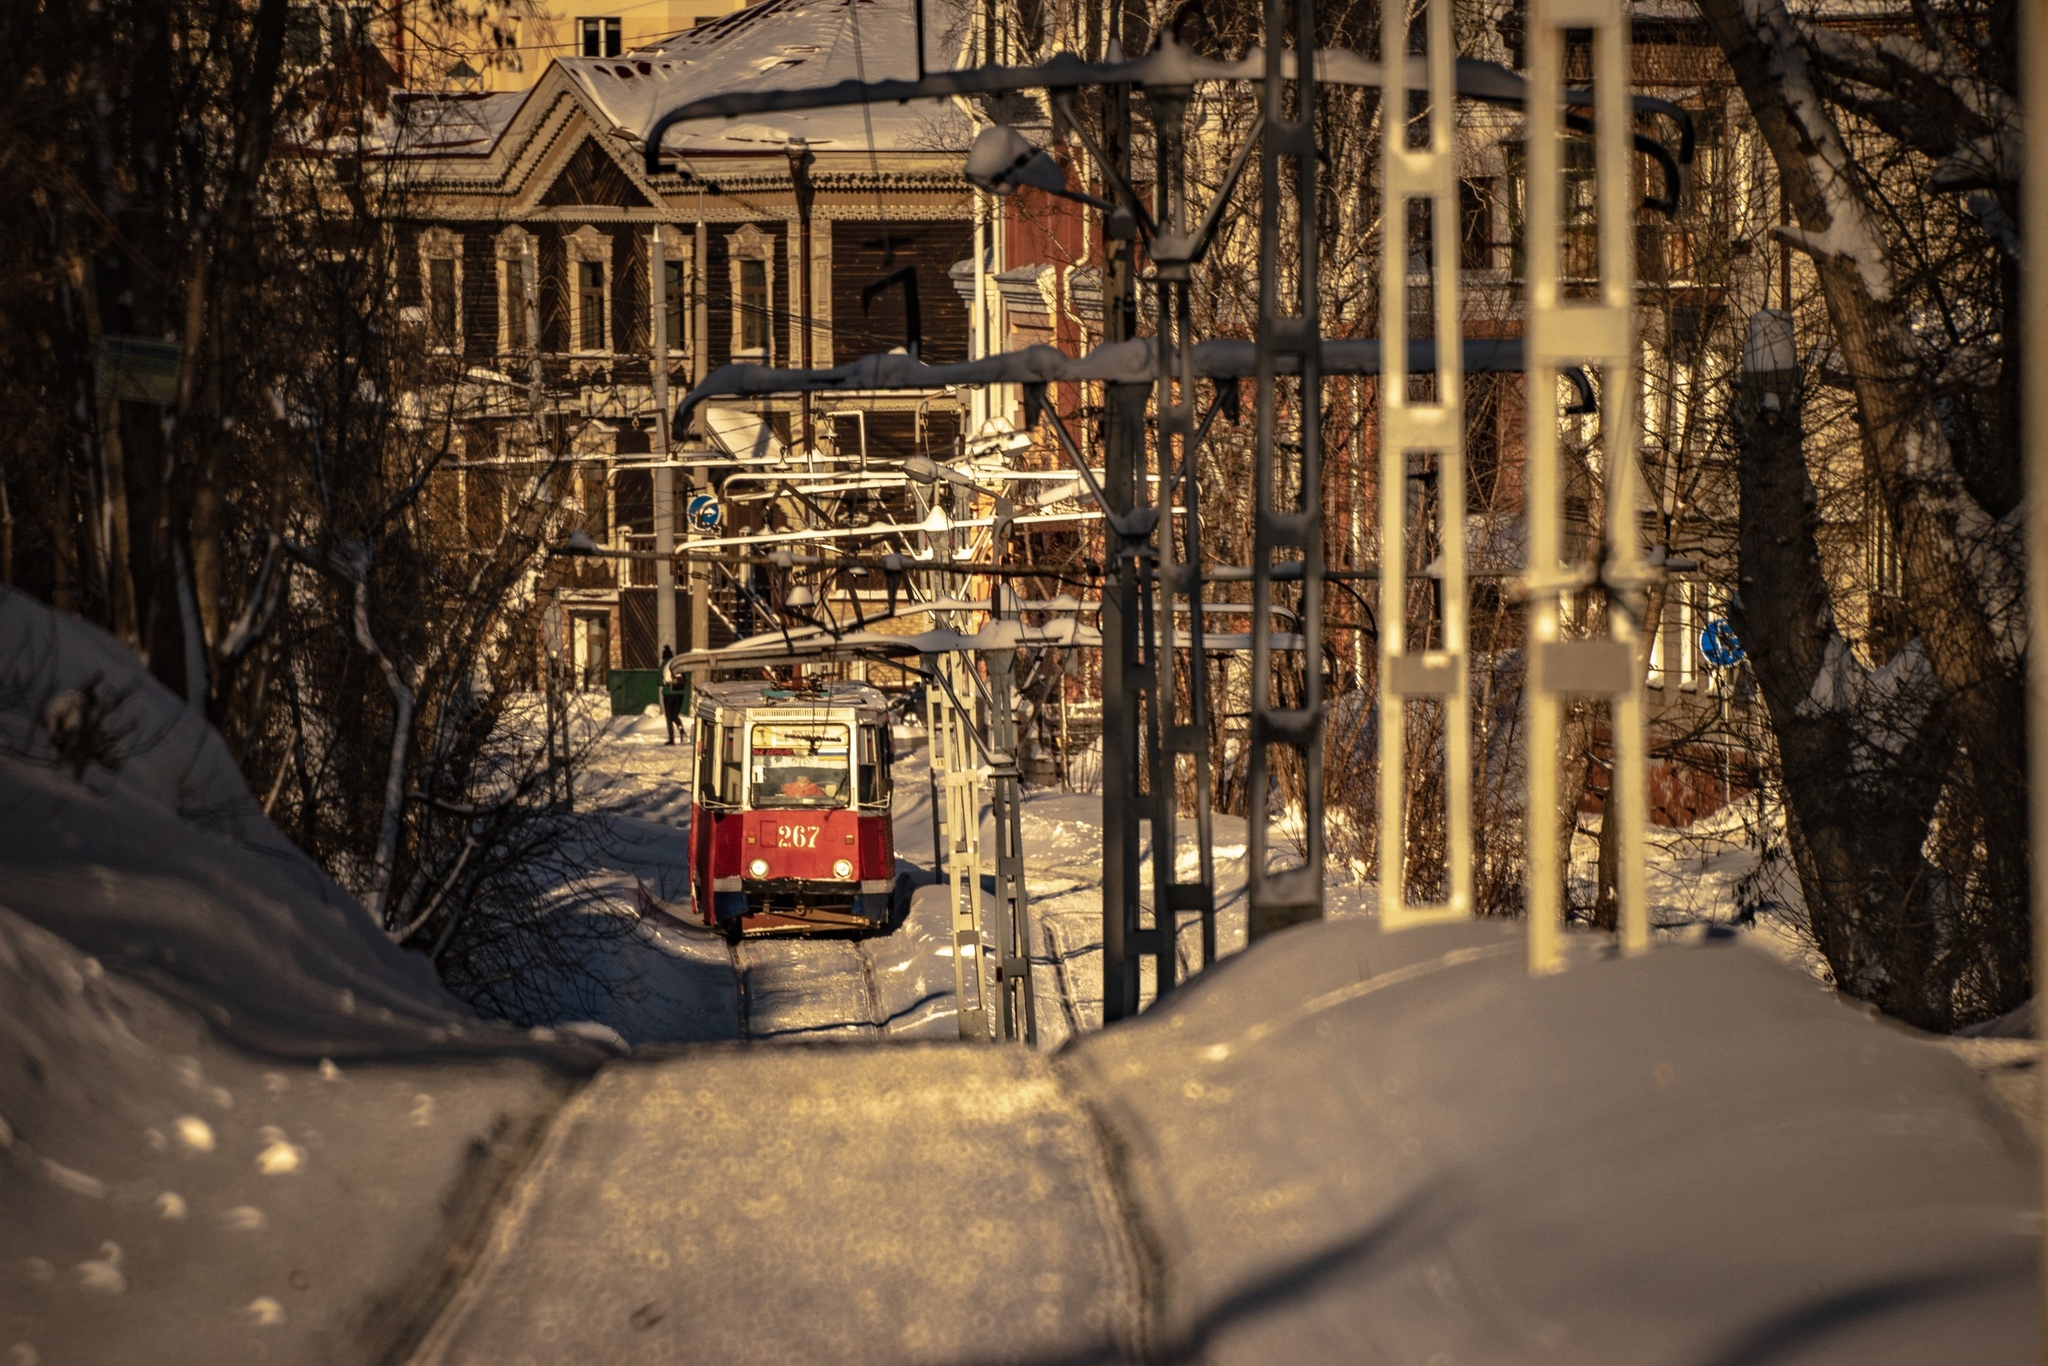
796,837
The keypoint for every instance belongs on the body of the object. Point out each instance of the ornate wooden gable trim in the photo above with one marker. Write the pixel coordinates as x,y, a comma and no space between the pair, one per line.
593,177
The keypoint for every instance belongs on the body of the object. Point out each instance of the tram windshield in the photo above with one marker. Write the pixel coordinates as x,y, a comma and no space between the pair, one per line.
805,765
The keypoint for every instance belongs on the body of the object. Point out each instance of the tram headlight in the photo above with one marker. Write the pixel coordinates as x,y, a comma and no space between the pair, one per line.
842,869
758,868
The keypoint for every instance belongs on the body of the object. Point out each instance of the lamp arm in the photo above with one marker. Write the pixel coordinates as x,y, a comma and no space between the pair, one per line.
1063,100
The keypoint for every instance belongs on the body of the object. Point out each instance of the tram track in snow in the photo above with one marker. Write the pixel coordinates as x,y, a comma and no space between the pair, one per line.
803,988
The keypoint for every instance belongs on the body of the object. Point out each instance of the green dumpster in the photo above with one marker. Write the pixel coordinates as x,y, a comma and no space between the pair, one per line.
635,690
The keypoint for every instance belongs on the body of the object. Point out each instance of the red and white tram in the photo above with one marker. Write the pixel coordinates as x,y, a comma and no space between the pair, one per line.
789,814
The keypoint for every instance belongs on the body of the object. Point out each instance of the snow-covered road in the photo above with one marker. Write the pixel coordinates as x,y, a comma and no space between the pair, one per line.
671,981
240,1124
663,979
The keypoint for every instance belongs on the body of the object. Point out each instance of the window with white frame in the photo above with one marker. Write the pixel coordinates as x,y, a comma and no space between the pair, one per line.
513,255
590,290
753,294
317,33
1674,650
598,37
441,286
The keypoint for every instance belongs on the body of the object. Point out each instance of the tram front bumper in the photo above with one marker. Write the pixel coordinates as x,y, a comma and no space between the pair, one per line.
866,900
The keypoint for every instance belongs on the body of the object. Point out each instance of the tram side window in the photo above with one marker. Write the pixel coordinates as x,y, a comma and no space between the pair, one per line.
875,784
731,768
707,761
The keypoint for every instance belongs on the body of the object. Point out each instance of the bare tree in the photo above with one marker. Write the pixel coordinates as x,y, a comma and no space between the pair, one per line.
271,521
1906,795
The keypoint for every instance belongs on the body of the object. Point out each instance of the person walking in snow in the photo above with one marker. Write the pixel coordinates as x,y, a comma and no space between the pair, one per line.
673,694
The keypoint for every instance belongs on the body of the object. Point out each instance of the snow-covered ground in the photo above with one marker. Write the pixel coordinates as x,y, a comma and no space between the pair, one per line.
238,1122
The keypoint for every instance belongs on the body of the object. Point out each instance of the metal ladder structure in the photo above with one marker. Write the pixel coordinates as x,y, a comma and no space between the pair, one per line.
1009,939
1601,335
956,828
1422,178
1287,536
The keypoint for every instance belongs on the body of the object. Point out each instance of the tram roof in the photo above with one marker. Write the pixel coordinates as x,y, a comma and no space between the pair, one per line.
757,695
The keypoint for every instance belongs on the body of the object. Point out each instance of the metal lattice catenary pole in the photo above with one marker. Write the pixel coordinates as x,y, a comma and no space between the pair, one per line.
1129,677
1426,177
1288,507
1010,918
1184,737
1599,334
957,830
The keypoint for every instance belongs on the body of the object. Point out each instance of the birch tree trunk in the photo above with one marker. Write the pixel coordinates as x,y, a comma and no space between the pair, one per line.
1938,524
1858,812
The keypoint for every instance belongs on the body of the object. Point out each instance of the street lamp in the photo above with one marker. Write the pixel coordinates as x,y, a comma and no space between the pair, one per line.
1003,160
578,545
922,469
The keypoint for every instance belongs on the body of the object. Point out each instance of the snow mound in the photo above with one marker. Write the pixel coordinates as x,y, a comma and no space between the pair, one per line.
234,1118
1343,1145
126,829
74,699
172,1198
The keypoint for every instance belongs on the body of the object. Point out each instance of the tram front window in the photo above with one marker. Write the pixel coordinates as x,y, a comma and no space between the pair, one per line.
801,766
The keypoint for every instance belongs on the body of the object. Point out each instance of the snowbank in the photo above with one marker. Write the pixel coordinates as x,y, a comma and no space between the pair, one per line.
1344,1145
171,1198
126,829
236,1120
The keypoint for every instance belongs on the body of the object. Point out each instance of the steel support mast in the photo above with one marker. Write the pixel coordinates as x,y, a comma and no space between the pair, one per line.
1422,178
1287,538
1599,334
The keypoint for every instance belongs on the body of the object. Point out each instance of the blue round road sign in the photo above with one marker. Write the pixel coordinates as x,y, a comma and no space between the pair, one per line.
704,513
1718,644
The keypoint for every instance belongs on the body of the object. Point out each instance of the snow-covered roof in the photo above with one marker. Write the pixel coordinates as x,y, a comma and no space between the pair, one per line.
426,122
778,44
772,45
755,695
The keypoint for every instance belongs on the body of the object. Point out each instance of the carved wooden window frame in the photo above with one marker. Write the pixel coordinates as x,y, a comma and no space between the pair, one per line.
515,256
441,244
749,243
588,246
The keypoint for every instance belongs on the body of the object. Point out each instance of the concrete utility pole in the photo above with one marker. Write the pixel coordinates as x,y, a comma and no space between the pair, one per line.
664,471
800,159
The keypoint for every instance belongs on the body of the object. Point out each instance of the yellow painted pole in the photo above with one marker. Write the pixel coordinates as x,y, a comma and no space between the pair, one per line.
1427,175
1599,334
